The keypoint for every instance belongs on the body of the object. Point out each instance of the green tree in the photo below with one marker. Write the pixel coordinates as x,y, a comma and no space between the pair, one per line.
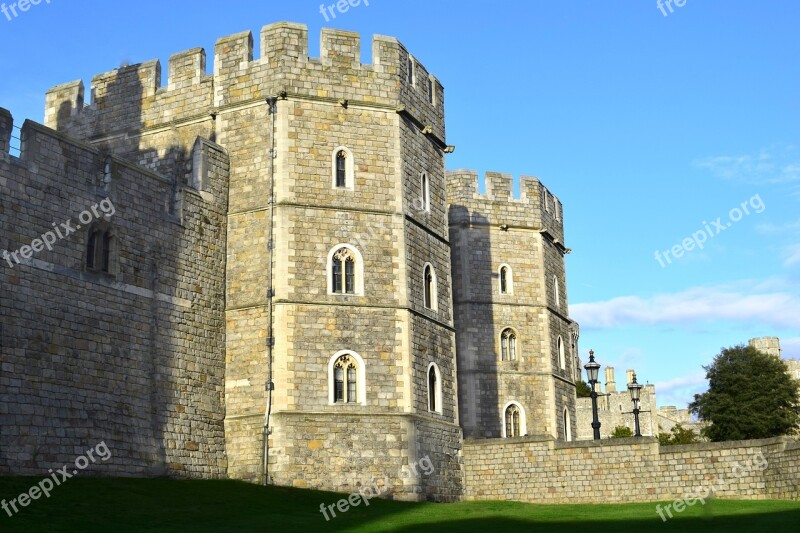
582,389
620,432
678,435
751,395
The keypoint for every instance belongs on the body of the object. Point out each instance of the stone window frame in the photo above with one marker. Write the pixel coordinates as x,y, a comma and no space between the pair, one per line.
358,270
425,192
361,381
349,169
436,394
431,91
561,352
509,281
101,242
556,292
567,418
513,335
411,75
108,173
429,290
523,423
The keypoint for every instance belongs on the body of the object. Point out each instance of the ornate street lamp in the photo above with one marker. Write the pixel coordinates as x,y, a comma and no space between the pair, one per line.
636,390
592,371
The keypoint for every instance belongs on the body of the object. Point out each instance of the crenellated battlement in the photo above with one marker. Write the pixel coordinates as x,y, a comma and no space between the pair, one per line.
132,97
535,207
6,128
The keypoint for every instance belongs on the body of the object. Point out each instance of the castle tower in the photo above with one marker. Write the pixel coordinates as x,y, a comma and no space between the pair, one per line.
516,342
767,345
611,385
340,339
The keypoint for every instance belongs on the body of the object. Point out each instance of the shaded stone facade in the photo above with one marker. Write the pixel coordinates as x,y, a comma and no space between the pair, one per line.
213,346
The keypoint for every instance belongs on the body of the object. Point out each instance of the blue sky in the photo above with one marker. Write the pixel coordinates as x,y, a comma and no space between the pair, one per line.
649,128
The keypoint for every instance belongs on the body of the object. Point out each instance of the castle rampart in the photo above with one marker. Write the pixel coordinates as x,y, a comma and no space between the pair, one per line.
124,346
131,99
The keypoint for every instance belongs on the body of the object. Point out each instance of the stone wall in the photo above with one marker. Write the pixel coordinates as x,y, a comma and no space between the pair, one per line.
541,470
133,356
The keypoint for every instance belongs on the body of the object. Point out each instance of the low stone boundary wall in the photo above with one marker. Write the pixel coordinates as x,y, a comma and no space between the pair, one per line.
541,470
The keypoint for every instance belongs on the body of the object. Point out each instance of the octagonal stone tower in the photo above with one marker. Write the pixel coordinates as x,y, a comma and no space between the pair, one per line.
340,348
517,347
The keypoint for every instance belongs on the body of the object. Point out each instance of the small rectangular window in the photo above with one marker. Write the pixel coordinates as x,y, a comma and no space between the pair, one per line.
351,385
430,90
338,384
350,277
410,71
337,276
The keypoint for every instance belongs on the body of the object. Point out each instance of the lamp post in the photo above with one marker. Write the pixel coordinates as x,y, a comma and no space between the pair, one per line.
592,371
636,390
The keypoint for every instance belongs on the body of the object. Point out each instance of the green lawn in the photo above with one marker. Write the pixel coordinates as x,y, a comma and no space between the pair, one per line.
92,504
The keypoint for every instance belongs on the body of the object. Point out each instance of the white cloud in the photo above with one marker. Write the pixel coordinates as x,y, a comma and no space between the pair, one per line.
746,305
790,228
794,256
681,390
773,166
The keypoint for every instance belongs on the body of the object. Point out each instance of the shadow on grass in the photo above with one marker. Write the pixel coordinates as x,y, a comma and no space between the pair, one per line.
103,504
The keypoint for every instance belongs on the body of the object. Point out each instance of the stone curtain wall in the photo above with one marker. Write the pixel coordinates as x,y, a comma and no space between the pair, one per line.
540,470
133,357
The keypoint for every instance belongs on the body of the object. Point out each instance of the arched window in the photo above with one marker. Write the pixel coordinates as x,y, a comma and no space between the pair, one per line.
425,191
429,284
346,378
434,389
562,360
567,426
508,345
513,420
346,271
343,168
556,292
506,280
98,250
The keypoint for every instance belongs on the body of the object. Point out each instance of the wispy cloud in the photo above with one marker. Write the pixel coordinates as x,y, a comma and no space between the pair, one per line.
790,228
746,303
681,390
779,165
793,258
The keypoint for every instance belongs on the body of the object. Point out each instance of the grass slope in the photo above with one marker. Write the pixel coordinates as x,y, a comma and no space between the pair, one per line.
95,504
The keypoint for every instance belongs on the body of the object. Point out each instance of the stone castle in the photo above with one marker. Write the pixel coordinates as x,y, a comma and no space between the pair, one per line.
291,288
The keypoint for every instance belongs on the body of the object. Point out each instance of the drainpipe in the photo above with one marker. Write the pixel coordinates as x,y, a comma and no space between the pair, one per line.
272,101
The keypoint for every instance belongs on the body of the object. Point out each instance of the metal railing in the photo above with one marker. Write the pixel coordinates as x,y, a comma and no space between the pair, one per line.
15,144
